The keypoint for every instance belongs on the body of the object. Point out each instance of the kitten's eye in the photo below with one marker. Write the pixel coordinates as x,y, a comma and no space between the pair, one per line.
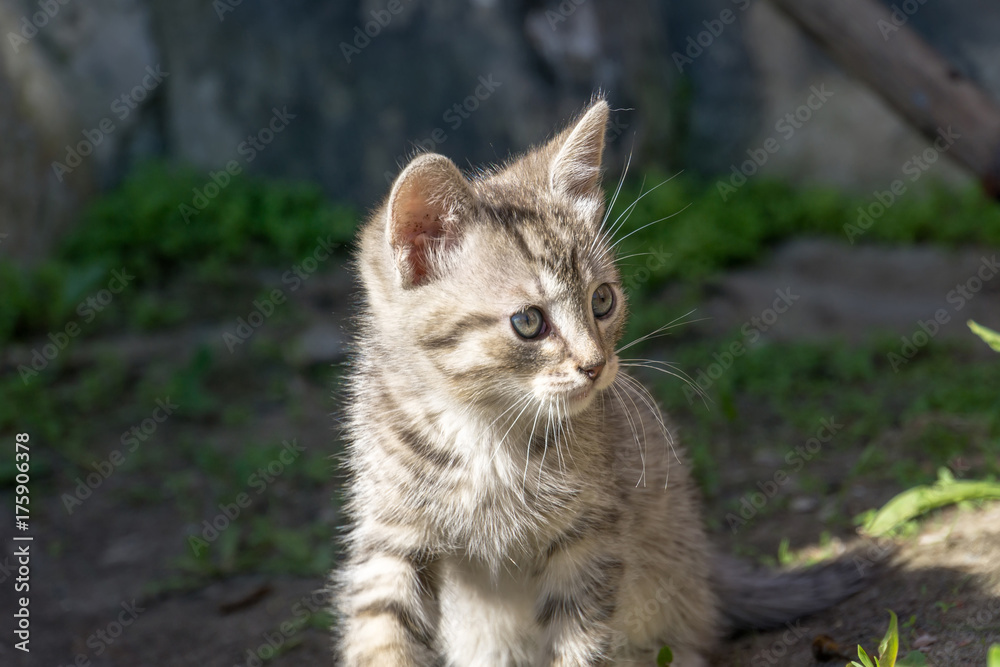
528,323
603,300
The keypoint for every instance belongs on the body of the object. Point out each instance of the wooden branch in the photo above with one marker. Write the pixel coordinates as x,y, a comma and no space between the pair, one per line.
874,45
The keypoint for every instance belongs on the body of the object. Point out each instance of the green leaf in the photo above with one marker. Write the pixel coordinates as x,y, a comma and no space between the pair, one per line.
664,657
888,648
865,660
991,337
921,499
993,656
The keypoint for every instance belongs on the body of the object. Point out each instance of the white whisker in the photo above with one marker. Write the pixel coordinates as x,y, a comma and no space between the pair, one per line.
670,370
662,331
614,198
628,418
527,404
649,224
527,455
646,397
627,213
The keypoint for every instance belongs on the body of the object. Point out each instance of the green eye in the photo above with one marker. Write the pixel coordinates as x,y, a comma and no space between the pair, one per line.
603,300
528,323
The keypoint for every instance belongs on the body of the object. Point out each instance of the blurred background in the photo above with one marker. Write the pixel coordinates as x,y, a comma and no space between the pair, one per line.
180,184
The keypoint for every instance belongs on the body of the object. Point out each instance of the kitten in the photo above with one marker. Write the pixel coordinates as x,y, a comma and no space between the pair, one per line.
515,496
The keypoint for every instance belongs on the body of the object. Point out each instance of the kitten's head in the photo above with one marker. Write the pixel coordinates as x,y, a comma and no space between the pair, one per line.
503,288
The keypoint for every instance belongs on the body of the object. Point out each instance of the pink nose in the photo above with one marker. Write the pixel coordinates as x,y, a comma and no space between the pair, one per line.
593,371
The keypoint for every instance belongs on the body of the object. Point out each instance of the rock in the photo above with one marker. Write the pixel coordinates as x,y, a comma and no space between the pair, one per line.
852,292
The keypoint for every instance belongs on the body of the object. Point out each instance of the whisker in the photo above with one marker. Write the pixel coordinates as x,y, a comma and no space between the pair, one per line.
680,375
649,224
531,437
642,425
628,418
628,211
614,198
635,254
514,405
661,331
566,423
555,435
647,397
527,404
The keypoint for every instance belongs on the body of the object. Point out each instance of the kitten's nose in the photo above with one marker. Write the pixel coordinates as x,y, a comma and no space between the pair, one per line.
592,371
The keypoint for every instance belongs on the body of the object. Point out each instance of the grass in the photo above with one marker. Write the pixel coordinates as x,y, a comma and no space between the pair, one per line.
941,405
139,230
712,234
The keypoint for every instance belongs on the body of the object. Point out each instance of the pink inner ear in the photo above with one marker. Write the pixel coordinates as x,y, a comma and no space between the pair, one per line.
419,248
415,233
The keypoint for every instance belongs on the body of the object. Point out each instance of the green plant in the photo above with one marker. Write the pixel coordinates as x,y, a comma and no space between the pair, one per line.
139,229
888,650
919,500
713,233
141,224
992,338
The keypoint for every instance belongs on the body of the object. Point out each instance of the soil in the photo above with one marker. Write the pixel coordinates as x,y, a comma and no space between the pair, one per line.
92,569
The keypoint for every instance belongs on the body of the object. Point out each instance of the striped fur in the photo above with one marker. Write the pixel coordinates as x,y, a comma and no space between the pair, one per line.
509,498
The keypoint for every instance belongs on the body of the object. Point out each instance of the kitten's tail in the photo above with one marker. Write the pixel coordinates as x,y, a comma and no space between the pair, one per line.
761,598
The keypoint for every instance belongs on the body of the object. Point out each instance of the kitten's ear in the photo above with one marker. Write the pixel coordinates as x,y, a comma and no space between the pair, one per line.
576,168
425,208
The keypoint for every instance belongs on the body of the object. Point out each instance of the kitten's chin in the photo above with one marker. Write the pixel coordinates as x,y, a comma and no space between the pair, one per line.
580,400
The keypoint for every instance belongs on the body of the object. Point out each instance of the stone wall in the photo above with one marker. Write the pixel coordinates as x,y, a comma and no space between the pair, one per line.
342,92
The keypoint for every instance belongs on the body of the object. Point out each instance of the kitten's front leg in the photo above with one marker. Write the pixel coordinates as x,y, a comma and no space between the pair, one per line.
388,607
579,594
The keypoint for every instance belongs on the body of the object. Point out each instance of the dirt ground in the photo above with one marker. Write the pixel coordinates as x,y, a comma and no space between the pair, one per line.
96,574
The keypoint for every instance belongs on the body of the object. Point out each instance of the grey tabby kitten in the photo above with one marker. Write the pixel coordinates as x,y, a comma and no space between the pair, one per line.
509,487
